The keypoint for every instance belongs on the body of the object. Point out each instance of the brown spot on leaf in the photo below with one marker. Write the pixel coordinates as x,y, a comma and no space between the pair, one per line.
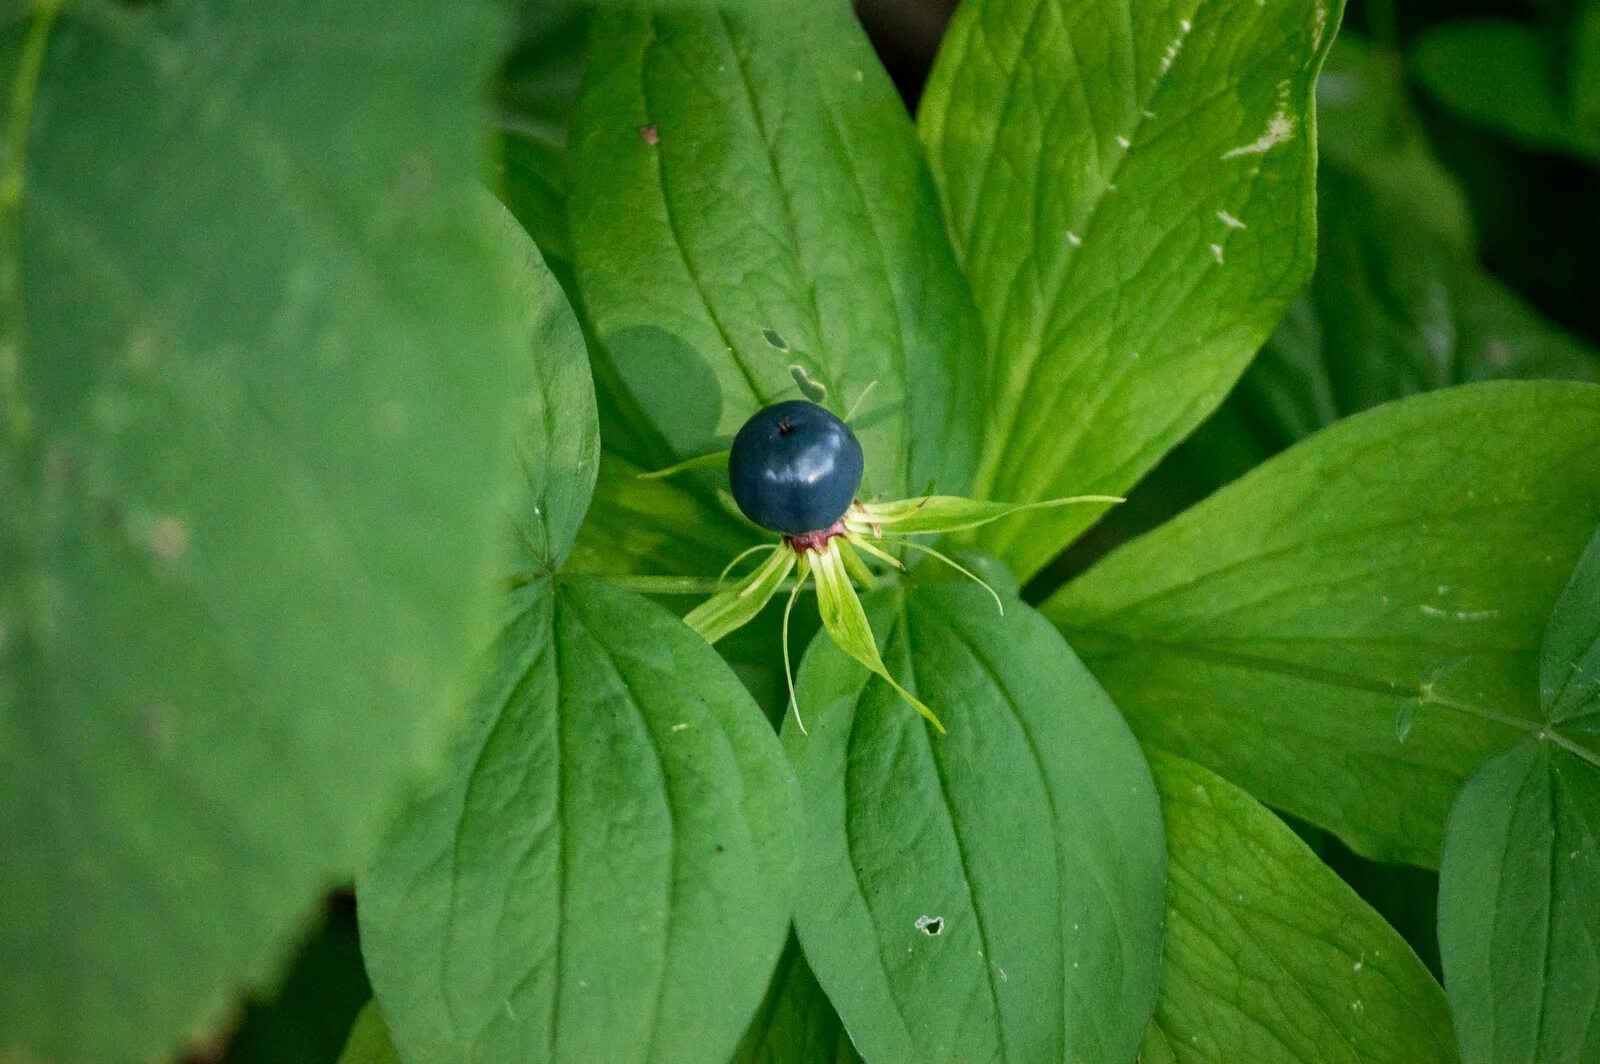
650,135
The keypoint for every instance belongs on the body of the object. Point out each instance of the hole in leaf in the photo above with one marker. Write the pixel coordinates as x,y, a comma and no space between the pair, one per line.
932,926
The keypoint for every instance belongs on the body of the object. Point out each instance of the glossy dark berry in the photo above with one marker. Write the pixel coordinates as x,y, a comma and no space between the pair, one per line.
795,468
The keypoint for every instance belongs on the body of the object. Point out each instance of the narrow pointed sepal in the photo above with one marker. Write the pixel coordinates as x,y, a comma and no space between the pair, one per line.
846,622
714,460
730,610
946,513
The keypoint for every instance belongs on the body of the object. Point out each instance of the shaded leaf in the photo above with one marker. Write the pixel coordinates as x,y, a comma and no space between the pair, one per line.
1584,70
994,893
308,1020
1502,74
1276,631
1269,957
1367,129
1130,192
656,527
258,321
606,872
1395,309
1519,909
369,1041
795,1024
1569,670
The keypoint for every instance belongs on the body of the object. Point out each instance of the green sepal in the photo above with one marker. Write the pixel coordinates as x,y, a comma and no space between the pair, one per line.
716,459
846,622
730,610
947,513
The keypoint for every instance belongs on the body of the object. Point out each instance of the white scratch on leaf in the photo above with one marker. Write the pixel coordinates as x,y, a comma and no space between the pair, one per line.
1074,239
1280,129
1171,54
1229,220
1459,615
1125,142
1216,253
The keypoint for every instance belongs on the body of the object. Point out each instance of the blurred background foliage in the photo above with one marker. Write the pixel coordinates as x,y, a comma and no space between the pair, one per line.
1460,216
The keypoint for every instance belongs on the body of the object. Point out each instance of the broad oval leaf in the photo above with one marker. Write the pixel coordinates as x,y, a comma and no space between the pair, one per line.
1519,909
559,443
606,873
1270,958
1130,189
994,893
1389,576
754,198
253,389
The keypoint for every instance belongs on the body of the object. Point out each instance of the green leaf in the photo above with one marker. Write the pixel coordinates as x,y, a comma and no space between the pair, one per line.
1519,909
1502,75
1569,669
558,442
606,872
1405,557
369,1041
1399,303
1583,74
1394,309
1130,191
992,894
795,1024
253,389
1269,957
1367,129
746,177
536,94
656,527
308,1018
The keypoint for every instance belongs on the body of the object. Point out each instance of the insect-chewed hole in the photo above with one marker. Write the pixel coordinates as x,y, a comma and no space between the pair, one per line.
932,926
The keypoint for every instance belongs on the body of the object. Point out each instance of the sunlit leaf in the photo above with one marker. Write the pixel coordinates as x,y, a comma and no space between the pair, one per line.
1404,558
1130,192
1269,958
606,871
1519,909
992,894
